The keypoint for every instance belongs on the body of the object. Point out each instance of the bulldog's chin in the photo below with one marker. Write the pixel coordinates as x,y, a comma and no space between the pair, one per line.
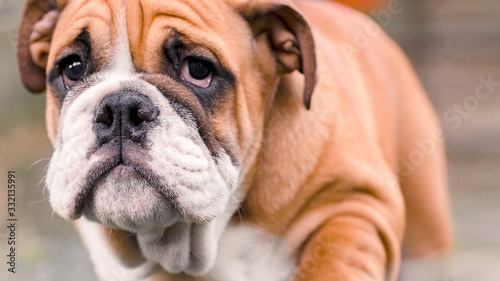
124,199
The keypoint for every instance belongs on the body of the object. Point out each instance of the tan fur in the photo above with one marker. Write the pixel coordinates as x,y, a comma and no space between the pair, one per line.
324,179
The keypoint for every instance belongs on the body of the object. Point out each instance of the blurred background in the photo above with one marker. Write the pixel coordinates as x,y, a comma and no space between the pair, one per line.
454,46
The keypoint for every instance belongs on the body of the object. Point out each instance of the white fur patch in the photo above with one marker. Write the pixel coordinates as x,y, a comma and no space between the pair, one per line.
247,253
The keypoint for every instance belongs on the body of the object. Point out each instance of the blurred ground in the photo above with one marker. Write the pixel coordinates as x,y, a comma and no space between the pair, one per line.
453,45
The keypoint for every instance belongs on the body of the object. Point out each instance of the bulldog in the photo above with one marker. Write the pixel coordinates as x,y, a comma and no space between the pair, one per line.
235,140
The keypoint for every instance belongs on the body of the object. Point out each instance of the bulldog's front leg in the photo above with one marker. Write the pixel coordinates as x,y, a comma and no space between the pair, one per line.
346,248
351,231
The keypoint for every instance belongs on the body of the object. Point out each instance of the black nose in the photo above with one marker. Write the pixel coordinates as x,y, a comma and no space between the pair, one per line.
124,116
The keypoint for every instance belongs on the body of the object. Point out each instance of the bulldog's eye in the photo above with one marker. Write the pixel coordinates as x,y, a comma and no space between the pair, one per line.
72,70
197,71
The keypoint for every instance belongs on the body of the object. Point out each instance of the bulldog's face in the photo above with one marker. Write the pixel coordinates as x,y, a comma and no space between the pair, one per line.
155,109
146,134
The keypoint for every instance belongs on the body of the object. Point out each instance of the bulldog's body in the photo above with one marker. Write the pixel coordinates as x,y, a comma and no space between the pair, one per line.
184,148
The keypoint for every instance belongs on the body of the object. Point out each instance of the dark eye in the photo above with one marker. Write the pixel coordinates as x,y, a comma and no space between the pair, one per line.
197,71
72,69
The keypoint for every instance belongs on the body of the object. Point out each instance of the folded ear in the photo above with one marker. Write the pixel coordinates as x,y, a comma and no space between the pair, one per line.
33,42
290,39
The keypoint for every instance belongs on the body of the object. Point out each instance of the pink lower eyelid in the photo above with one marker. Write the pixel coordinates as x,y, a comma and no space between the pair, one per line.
205,82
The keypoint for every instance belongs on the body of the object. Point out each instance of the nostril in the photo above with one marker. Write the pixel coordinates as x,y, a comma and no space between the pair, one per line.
147,113
134,117
105,116
138,115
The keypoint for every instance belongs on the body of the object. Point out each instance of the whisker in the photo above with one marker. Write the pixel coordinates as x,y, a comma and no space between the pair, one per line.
41,181
39,201
159,237
47,167
43,190
38,161
192,252
116,242
125,237
239,209
201,125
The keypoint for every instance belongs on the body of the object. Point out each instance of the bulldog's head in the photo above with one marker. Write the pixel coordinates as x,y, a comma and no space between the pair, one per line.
156,110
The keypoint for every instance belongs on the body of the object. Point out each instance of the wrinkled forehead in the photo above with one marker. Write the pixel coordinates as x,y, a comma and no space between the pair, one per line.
145,25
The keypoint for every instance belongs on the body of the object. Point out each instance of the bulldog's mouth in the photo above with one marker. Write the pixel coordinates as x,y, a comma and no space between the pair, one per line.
119,187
